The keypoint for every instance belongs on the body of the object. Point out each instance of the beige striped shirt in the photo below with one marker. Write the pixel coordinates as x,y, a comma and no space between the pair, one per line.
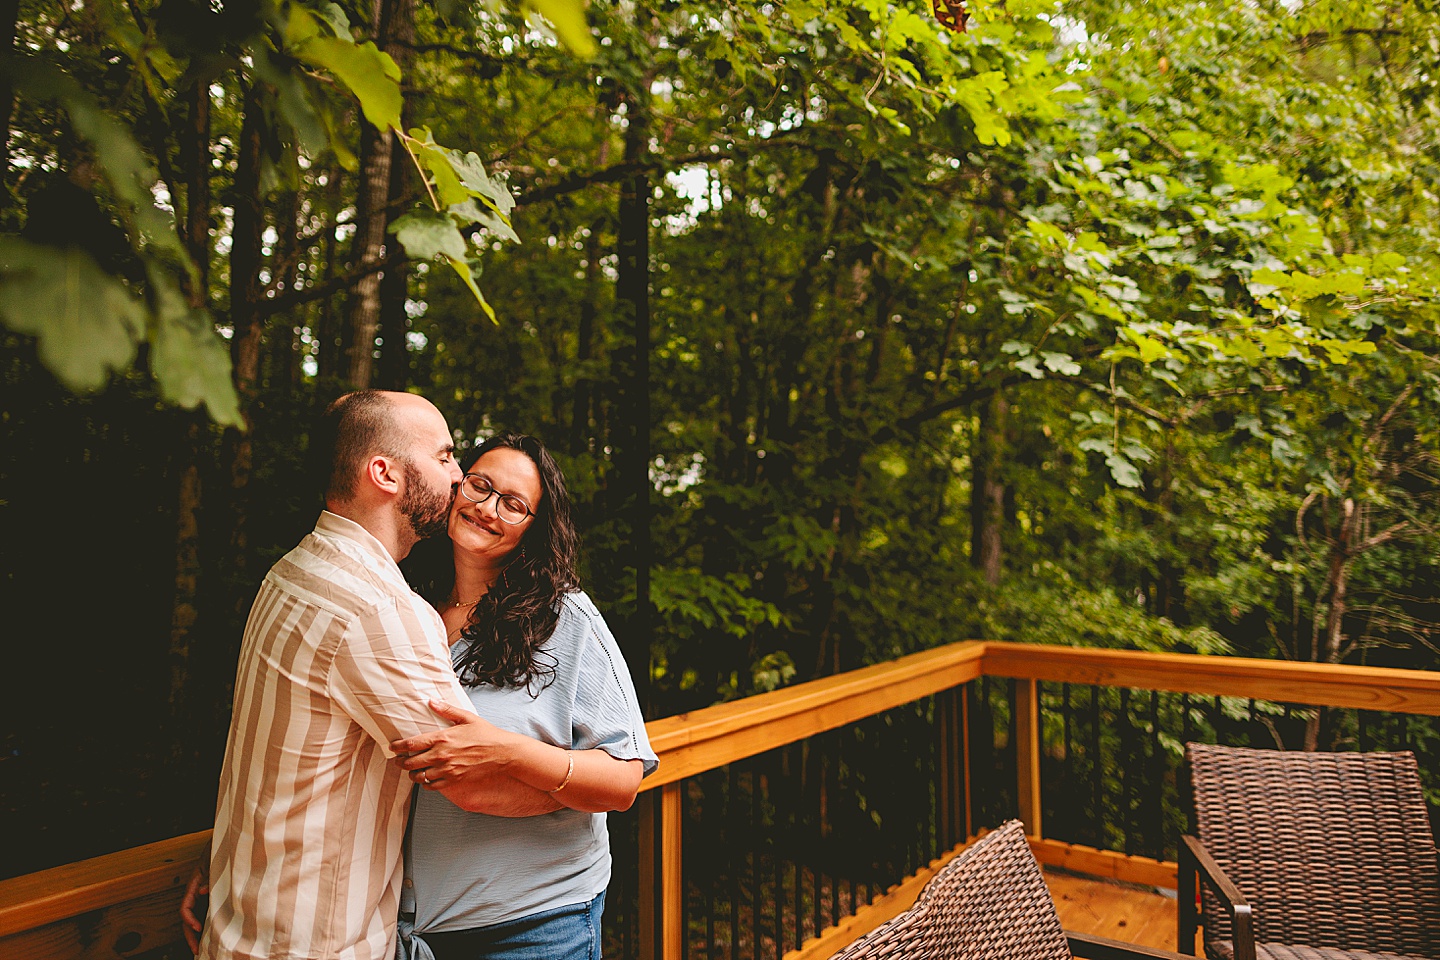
339,658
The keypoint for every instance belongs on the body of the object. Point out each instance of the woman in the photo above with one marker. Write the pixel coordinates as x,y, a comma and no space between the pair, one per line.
540,664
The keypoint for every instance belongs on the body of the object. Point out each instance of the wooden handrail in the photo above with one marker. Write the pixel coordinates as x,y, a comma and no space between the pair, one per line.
36,911
75,888
691,743
1282,681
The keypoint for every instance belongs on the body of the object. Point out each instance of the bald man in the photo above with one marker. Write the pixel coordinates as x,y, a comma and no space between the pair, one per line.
340,657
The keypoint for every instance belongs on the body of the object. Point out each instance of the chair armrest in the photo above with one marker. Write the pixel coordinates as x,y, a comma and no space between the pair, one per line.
1103,948
1195,859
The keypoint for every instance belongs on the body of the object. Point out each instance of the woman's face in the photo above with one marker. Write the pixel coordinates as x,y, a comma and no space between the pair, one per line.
475,528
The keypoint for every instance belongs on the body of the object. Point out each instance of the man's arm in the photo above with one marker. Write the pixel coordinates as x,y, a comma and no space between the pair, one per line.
391,662
475,749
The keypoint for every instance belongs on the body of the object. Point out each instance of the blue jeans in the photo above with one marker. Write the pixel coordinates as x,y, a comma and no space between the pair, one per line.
565,933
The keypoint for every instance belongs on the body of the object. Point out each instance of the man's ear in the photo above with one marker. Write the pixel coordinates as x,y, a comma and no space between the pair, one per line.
384,473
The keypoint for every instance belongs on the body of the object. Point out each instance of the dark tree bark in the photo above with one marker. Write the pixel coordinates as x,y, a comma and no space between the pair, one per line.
194,158
581,412
246,259
329,341
391,18
987,490
631,364
394,370
9,16
398,32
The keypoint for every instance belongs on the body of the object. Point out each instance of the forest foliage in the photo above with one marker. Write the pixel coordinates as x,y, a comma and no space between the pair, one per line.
1100,323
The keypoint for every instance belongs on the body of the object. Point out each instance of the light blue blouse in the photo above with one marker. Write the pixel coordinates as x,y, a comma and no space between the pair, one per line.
468,870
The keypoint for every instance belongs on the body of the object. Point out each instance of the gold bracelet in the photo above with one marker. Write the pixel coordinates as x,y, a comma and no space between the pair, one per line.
568,773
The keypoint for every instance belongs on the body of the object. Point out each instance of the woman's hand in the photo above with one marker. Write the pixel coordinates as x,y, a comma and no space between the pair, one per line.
515,768
197,888
473,747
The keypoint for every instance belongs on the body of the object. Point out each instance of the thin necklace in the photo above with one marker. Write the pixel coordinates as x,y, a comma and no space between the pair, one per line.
469,603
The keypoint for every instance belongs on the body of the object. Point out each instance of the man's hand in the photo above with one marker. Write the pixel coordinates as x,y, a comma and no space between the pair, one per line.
474,747
198,887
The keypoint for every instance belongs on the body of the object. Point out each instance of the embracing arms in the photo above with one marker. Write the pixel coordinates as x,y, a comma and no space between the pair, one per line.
483,769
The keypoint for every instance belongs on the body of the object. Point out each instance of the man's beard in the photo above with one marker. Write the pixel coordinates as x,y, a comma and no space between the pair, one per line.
427,510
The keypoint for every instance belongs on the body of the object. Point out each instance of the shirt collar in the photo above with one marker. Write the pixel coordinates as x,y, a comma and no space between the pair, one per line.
334,525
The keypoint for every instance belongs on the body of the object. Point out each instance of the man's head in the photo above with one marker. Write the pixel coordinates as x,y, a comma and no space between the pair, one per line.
392,452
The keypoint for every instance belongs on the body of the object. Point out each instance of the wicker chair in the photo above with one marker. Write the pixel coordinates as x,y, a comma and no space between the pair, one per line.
989,903
1309,856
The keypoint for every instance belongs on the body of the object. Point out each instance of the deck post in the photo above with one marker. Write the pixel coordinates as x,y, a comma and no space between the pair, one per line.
662,889
649,877
1027,754
672,885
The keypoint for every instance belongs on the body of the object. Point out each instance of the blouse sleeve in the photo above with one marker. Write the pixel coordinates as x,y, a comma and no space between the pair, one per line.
607,714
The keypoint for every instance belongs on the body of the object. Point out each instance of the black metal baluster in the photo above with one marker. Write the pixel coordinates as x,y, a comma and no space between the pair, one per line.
756,899
1127,759
1097,773
1155,787
799,847
732,865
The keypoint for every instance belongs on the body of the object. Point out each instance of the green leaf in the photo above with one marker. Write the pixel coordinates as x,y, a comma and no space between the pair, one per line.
121,159
470,211
190,362
366,70
295,103
1124,472
568,18
85,320
463,269
493,191
426,235
1061,363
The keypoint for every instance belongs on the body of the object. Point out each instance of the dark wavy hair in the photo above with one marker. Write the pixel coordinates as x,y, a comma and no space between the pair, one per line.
517,616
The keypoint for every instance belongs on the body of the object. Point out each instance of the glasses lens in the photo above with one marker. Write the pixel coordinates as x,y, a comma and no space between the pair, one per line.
475,489
513,509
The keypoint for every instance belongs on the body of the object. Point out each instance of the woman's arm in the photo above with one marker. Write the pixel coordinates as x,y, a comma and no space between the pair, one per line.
474,758
498,796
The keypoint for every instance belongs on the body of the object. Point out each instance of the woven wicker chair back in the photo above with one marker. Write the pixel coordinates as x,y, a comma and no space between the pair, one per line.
1331,849
901,938
991,903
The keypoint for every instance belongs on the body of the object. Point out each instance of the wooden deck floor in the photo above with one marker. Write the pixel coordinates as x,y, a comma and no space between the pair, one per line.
1109,909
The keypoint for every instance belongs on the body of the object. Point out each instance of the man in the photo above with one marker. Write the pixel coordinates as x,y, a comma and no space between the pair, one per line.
339,658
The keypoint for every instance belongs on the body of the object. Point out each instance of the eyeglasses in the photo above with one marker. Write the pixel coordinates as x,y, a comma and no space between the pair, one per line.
510,509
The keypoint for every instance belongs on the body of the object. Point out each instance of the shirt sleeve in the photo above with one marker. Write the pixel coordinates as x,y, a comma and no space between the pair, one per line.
392,661
607,713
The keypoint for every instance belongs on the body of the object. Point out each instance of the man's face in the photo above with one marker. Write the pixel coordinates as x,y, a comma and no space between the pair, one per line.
427,507
429,470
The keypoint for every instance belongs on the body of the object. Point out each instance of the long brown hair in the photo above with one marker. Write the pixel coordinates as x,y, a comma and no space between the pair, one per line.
518,614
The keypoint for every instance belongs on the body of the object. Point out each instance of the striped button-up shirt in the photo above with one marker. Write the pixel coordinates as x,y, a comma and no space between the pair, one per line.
339,658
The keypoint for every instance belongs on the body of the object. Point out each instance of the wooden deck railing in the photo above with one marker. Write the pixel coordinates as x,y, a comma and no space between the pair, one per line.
125,904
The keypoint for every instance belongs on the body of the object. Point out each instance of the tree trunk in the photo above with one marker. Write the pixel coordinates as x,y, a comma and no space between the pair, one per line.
394,371
580,428
9,15
329,340
397,30
185,601
632,373
392,19
246,259
363,315
987,490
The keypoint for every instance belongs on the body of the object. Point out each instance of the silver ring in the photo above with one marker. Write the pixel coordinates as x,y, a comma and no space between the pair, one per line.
424,779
